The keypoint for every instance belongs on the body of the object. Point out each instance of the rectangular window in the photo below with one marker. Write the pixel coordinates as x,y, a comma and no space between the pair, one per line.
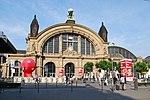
75,46
56,44
64,42
50,45
82,45
93,52
87,47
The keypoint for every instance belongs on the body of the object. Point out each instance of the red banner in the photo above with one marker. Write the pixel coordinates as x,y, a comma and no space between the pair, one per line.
126,68
61,72
80,71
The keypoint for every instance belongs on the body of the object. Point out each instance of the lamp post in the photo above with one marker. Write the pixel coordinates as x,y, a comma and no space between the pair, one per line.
112,76
69,74
134,76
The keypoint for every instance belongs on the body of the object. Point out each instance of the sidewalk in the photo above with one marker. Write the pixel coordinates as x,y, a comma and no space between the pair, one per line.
142,93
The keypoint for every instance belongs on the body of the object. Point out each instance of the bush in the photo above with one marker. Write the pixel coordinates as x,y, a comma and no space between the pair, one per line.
144,84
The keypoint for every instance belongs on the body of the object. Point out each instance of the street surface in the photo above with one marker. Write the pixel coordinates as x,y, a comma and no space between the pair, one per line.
81,91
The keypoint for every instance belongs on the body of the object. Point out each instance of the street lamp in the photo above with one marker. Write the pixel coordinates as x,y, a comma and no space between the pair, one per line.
69,74
134,75
112,75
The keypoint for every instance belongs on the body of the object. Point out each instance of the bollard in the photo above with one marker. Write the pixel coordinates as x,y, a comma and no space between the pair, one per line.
135,84
46,84
35,84
102,84
71,87
20,88
56,82
76,82
38,87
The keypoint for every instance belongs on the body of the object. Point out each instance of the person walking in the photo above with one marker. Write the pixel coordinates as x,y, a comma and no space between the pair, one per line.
122,82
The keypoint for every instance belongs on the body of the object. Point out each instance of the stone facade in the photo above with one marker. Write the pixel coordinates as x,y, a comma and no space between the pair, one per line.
60,59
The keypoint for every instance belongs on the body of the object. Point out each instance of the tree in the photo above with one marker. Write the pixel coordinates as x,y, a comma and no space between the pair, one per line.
88,67
141,67
148,65
105,65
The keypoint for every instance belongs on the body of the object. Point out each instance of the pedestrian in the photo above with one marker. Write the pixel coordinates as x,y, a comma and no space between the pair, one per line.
99,79
122,82
115,80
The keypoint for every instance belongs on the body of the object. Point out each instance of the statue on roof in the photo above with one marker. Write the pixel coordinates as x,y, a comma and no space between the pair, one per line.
70,14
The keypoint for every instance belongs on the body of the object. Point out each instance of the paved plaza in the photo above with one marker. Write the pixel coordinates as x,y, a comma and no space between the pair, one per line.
88,91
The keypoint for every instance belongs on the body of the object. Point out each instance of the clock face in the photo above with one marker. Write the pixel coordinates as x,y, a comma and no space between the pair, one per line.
70,48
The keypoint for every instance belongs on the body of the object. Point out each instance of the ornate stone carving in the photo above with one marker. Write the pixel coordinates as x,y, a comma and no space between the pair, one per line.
70,52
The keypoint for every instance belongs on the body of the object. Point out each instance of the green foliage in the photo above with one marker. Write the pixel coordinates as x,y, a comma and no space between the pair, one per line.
148,65
104,65
141,67
88,67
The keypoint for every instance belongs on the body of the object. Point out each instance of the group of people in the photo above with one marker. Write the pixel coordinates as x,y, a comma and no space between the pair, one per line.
69,80
117,80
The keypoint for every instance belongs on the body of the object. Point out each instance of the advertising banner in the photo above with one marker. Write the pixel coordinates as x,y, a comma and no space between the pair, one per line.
61,71
80,71
126,69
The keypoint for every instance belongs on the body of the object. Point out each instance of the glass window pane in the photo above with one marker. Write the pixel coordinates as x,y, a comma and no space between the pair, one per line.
82,45
64,42
50,45
87,47
75,46
93,51
56,44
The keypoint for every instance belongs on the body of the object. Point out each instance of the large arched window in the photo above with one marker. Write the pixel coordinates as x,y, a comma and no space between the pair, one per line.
71,42
52,45
49,69
69,69
17,68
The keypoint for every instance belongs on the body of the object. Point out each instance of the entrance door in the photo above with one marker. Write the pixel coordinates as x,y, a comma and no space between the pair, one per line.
69,70
49,69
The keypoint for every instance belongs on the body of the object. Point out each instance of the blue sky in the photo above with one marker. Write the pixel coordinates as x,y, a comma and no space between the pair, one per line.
127,21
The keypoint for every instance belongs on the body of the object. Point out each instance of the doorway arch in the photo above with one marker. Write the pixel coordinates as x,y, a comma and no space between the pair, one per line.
49,69
69,69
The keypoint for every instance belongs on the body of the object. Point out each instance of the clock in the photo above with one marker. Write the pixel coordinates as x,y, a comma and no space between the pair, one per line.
70,48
